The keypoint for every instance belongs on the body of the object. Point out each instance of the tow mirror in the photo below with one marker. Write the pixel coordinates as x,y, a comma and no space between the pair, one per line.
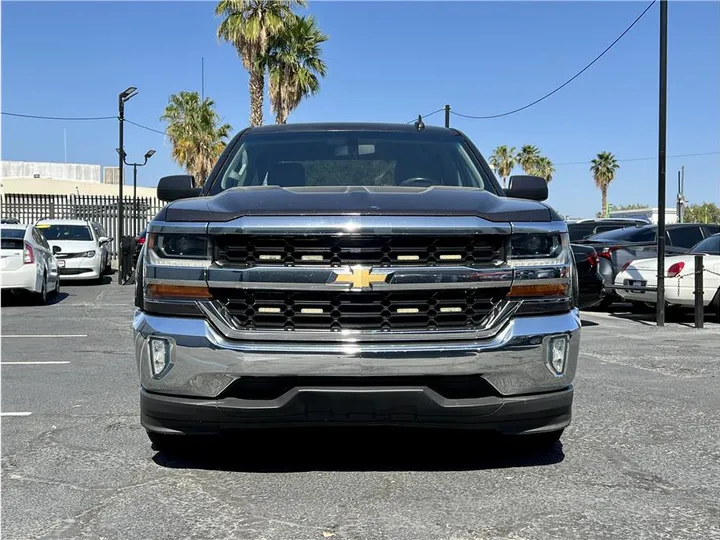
527,187
180,186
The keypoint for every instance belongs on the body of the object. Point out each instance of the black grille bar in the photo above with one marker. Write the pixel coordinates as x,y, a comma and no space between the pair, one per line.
332,250
373,311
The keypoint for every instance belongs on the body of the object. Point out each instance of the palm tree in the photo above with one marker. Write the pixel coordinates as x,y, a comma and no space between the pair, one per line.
543,167
503,161
195,131
251,25
294,63
527,157
603,168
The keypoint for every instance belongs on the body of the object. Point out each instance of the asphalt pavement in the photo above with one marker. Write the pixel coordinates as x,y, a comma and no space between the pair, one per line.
640,460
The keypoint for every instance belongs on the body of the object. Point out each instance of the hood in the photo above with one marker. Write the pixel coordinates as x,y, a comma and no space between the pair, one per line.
370,200
73,246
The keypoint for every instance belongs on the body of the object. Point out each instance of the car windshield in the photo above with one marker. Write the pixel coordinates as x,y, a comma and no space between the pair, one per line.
626,234
362,158
710,245
65,232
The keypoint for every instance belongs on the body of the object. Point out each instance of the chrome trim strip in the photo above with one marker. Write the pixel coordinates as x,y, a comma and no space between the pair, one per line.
178,227
321,278
216,314
532,227
377,225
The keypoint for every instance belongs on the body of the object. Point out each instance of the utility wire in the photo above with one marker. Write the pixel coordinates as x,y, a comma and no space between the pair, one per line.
642,158
583,70
78,118
145,127
426,115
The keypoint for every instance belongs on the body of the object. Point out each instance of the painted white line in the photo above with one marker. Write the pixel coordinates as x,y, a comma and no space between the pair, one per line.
15,413
45,336
34,363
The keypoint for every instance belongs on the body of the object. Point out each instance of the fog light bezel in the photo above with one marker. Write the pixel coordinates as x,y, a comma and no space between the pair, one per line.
168,346
548,352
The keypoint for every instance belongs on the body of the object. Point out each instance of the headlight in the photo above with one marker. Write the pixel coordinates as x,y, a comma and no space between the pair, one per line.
179,246
89,254
535,246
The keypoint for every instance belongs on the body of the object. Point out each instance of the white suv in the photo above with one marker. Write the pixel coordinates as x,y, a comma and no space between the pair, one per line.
80,252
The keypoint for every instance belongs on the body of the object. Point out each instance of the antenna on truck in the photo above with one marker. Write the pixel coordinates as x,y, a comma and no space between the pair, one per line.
419,125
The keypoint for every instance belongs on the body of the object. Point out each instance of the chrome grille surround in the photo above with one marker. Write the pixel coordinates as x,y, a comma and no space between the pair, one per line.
219,275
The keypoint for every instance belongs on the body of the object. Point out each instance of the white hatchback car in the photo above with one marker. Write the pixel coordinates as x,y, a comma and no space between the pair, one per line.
80,252
28,264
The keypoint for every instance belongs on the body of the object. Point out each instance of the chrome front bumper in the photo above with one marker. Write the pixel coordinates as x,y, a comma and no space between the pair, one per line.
204,363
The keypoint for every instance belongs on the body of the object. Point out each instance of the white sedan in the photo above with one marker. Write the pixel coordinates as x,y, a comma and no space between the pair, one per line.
79,249
679,277
28,264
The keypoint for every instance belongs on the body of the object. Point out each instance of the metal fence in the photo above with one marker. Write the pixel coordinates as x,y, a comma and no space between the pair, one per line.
103,209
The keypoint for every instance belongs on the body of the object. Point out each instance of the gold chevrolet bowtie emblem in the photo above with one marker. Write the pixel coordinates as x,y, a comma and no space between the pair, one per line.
360,277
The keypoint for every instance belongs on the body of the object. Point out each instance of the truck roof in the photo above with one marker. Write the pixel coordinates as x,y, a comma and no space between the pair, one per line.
351,126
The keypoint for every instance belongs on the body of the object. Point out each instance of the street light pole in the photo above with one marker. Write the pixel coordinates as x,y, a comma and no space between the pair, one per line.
122,98
147,156
662,135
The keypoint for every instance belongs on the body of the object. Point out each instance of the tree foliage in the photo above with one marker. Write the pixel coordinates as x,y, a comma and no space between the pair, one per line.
604,167
702,213
196,133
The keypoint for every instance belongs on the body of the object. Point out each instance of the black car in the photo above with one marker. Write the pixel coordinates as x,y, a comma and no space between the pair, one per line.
589,227
591,289
620,246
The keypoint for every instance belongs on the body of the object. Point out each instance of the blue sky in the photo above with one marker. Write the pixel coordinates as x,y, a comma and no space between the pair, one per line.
387,61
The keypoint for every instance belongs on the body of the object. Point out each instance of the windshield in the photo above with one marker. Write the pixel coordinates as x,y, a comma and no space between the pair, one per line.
297,159
65,232
627,234
710,245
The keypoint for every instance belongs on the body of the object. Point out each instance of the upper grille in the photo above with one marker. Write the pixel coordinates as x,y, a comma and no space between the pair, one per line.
405,250
335,311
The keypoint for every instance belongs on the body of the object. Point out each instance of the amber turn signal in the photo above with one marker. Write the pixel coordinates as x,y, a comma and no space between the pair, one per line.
179,291
550,289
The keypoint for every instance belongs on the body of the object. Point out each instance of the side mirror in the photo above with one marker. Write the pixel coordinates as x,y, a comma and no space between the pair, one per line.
180,186
527,187
104,240
56,250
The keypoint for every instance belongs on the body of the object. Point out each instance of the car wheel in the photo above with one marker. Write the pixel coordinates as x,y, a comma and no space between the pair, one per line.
41,298
56,291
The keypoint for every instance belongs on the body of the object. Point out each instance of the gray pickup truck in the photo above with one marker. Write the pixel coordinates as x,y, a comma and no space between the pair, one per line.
364,274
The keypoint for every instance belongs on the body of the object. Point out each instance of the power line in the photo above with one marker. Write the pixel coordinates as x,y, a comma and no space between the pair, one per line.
145,127
74,118
654,158
583,70
426,115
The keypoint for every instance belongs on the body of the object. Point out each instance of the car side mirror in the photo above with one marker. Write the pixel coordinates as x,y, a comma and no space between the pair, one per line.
104,240
56,250
527,187
179,186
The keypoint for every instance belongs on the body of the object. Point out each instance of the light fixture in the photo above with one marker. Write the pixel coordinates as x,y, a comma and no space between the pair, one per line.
557,347
149,154
159,356
128,93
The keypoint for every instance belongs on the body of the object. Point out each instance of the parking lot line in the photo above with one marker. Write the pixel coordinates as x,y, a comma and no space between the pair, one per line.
44,335
15,413
34,363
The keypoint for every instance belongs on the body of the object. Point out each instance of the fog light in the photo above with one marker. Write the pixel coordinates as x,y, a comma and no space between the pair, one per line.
557,354
159,356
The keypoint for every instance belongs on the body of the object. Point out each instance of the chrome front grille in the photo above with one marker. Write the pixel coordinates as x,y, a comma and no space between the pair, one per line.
342,250
452,309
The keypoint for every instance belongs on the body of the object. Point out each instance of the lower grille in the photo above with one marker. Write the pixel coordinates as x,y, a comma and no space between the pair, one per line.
336,311
448,386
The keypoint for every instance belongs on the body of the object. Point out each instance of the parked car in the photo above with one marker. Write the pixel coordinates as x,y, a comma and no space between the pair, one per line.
679,277
591,288
588,227
620,246
28,264
105,247
80,252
